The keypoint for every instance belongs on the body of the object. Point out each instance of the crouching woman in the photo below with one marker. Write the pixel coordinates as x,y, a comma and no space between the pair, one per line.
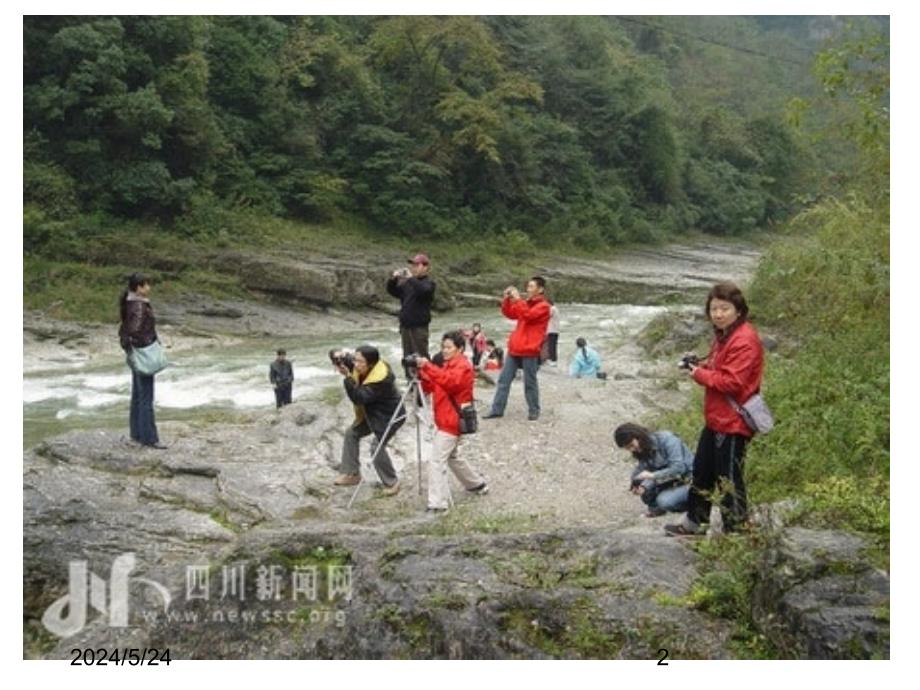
663,470
451,386
371,387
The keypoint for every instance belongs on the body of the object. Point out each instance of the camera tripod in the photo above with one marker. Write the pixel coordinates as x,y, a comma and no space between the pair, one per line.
419,406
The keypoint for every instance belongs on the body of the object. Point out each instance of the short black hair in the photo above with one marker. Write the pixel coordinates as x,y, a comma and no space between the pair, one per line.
456,337
370,353
540,281
281,351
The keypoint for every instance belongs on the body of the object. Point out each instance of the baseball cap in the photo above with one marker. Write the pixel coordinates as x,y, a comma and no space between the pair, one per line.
420,259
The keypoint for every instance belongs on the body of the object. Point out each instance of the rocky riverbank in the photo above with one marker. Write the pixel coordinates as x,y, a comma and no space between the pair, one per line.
555,562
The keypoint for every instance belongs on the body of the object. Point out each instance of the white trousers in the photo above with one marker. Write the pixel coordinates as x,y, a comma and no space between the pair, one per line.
444,455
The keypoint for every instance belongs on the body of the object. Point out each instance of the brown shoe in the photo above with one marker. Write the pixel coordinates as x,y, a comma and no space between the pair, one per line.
348,479
390,490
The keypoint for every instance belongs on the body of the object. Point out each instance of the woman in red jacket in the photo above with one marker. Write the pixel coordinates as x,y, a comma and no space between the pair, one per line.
733,369
452,388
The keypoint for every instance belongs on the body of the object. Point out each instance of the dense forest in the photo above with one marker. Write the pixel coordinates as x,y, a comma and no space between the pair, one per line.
598,129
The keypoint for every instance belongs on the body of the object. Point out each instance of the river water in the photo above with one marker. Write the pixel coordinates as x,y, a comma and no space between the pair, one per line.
78,391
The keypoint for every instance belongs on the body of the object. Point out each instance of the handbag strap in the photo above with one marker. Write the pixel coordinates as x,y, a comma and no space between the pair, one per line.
454,403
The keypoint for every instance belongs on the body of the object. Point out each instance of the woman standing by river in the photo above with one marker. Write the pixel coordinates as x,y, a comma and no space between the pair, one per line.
138,330
733,370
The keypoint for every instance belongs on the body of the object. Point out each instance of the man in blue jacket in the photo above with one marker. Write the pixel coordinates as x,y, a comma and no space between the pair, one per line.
664,470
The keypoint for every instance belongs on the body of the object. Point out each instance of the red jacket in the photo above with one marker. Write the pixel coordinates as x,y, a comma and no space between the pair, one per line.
734,366
532,318
453,380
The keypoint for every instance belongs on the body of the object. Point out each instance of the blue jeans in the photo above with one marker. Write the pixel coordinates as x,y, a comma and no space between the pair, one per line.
143,427
531,390
673,499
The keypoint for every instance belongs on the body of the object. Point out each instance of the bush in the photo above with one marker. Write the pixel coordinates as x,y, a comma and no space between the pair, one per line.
727,200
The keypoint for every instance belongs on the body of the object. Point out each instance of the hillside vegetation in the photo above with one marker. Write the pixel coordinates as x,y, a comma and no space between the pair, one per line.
592,130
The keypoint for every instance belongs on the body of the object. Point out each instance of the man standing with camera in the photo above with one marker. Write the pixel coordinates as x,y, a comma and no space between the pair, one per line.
415,291
532,316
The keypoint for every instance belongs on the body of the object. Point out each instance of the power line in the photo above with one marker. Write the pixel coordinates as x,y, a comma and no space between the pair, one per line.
702,39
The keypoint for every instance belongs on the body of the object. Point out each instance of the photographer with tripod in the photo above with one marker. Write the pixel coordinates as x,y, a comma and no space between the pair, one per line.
371,386
452,387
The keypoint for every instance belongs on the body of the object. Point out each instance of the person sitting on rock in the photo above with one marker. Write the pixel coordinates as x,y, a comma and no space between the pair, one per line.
586,363
664,470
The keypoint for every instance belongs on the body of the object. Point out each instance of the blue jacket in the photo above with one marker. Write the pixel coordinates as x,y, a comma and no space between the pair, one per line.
585,363
671,460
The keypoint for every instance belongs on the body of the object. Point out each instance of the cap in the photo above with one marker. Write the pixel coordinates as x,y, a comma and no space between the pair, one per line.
420,259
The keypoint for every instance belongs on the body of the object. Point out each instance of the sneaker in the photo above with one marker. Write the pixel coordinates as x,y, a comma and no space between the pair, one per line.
348,480
434,512
654,512
491,415
681,530
157,445
532,417
480,490
390,490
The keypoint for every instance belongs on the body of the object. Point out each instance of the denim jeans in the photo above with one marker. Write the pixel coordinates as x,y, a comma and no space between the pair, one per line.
673,499
531,390
140,420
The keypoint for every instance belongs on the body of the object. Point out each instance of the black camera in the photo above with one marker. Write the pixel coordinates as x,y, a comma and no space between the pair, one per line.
411,361
342,358
687,361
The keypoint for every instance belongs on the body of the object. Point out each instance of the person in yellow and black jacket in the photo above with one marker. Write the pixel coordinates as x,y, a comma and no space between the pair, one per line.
371,386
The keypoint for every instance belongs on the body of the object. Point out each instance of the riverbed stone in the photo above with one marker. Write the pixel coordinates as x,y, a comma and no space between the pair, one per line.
818,597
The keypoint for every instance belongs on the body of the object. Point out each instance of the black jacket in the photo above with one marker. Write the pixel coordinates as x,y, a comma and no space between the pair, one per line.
138,327
416,296
280,372
375,399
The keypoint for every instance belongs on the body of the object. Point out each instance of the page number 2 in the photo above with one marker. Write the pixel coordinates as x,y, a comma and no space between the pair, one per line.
664,655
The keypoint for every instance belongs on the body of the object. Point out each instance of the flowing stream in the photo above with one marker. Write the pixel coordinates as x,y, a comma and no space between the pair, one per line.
79,391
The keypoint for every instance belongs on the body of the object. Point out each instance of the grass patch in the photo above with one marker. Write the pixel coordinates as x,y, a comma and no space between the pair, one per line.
331,395
724,588
448,600
222,518
320,557
580,630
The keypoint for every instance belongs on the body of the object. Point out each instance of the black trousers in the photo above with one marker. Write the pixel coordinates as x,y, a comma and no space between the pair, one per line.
553,341
719,464
283,394
414,341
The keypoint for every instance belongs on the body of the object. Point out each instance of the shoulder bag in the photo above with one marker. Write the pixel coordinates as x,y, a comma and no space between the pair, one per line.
148,360
754,412
469,422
